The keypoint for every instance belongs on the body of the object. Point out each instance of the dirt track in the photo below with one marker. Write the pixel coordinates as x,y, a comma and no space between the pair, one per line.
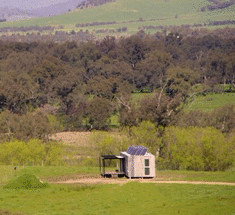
124,181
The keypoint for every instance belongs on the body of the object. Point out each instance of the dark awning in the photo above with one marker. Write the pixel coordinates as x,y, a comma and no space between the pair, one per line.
111,157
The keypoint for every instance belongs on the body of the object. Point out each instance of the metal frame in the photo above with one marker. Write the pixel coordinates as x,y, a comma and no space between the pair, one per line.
110,174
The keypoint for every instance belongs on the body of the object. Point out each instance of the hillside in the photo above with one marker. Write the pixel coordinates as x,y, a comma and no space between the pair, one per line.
14,14
133,15
22,9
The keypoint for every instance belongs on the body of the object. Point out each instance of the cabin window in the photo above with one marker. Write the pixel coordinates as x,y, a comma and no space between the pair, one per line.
147,171
146,161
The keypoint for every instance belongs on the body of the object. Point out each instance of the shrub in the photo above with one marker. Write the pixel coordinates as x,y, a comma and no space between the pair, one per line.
146,134
26,181
54,153
106,143
195,149
25,127
34,152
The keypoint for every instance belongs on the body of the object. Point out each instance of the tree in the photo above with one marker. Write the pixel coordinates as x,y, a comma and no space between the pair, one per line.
25,127
146,134
159,108
98,112
195,149
222,118
17,91
72,110
180,81
107,45
151,72
133,49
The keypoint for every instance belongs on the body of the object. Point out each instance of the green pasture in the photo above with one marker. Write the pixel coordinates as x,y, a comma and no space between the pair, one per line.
46,172
130,198
127,13
205,103
135,97
210,101
55,173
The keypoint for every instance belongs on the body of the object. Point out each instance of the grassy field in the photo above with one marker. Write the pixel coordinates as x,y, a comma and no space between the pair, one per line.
211,101
208,102
46,173
56,173
131,198
127,13
203,103
138,96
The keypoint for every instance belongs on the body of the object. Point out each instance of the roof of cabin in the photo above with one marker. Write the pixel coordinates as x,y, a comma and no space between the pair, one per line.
137,150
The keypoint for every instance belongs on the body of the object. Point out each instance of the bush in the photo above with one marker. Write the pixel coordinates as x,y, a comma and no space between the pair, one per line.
146,134
195,149
107,143
33,152
221,118
24,127
26,181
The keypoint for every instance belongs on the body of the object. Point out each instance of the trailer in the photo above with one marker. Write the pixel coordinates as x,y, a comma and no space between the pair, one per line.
136,162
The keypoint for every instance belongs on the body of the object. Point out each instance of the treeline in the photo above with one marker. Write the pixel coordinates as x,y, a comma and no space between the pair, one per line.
26,29
58,37
218,5
85,84
111,31
33,152
93,3
214,23
200,149
177,148
94,24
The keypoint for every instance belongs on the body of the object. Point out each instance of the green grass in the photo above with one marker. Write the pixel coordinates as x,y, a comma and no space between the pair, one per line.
122,11
138,96
131,198
54,173
203,103
46,173
211,102
227,176
114,120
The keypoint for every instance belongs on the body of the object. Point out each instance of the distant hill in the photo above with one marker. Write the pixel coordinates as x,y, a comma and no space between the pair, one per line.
23,9
10,14
30,4
56,9
130,16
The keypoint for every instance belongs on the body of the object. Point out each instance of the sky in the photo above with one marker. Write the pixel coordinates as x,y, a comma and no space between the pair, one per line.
29,4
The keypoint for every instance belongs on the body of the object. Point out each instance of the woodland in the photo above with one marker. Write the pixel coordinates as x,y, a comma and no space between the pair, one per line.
47,87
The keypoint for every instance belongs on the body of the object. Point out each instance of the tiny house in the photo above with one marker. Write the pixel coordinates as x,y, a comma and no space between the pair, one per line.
136,162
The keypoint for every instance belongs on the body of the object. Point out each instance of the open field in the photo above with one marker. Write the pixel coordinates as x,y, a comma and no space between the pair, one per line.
63,173
208,102
134,14
211,101
130,198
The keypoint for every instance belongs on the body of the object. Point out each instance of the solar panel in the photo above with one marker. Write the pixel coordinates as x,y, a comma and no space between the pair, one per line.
137,150
143,151
130,149
134,150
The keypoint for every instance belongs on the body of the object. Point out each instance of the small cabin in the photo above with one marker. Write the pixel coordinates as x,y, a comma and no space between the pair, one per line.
136,162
